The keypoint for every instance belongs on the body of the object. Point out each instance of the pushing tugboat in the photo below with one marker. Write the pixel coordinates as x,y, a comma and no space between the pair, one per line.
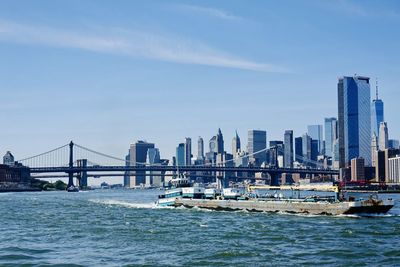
252,199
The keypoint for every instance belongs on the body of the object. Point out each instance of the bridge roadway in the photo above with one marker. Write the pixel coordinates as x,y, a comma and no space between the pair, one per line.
269,170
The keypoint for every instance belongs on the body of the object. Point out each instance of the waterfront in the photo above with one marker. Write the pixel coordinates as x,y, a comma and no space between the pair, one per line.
122,227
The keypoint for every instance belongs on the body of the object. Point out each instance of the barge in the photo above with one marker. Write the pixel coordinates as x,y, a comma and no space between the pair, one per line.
232,199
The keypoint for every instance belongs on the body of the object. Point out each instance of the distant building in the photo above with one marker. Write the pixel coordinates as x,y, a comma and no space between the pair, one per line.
394,169
188,151
200,149
138,157
330,135
306,141
382,164
8,159
358,169
288,147
394,144
377,114
235,144
153,158
256,146
213,145
374,149
383,136
354,120
180,155
298,149
220,142
315,132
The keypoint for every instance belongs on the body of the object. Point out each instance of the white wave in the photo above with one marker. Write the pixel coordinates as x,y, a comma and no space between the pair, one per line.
113,202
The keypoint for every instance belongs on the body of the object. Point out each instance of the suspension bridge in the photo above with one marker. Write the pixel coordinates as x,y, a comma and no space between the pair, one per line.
73,160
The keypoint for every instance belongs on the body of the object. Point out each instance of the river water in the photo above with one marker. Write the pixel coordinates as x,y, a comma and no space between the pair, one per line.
123,228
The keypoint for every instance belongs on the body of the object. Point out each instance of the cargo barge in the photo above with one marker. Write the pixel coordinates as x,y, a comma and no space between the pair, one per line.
234,199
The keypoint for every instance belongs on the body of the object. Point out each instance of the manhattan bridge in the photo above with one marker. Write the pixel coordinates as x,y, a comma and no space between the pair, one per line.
75,161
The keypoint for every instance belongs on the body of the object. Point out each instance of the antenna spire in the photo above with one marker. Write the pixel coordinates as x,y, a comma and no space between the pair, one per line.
377,95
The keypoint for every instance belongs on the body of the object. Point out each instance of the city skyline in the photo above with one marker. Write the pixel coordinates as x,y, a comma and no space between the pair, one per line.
109,100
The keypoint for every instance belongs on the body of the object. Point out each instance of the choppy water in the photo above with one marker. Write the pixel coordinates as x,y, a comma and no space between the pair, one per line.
123,228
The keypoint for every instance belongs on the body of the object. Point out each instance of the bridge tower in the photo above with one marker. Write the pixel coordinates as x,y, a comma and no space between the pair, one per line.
71,165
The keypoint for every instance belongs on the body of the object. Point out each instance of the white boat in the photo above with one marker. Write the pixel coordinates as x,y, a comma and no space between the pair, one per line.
169,197
233,193
193,192
212,193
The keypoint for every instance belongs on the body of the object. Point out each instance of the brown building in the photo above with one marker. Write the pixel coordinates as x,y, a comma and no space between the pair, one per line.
14,175
358,169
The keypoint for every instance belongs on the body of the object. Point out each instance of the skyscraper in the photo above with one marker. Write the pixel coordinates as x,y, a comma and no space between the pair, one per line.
138,156
330,135
220,142
298,145
153,157
235,144
377,113
288,146
315,132
180,154
383,136
256,146
374,149
306,141
188,151
200,148
354,108
394,144
213,146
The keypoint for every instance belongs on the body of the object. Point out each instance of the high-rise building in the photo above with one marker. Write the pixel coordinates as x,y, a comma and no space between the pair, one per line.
306,141
315,132
188,151
235,144
394,144
220,142
200,149
357,169
126,174
213,146
153,158
394,169
330,135
354,108
383,136
138,156
298,149
288,146
377,113
374,148
257,146
180,155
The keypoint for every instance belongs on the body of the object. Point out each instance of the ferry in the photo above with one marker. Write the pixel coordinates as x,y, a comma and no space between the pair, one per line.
248,199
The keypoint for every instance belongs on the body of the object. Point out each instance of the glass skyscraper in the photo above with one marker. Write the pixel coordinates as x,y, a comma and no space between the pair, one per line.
354,108
377,114
288,146
315,132
257,142
330,135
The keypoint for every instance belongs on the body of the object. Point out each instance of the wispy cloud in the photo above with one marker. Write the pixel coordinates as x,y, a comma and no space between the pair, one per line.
209,11
131,43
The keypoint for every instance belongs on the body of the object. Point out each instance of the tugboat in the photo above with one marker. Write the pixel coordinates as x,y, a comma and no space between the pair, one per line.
249,200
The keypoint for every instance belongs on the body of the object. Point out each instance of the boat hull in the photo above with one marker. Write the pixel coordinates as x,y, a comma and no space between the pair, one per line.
292,206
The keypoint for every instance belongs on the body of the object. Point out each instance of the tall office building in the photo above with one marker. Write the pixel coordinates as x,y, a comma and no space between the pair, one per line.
235,144
377,113
288,146
298,149
213,146
257,146
315,132
188,151
180,154
383,136
138,157
220,142
153,158
200,148
374,149
306,147
330,135
354,108
394,144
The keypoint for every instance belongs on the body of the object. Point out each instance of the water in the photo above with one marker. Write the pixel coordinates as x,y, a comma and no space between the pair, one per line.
124,228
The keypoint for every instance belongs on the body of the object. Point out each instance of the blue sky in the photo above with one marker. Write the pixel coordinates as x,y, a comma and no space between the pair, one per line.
107,73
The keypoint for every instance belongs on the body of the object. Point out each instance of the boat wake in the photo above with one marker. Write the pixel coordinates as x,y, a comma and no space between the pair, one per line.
113,202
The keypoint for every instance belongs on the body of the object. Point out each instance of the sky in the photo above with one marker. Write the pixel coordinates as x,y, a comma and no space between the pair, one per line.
107,73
